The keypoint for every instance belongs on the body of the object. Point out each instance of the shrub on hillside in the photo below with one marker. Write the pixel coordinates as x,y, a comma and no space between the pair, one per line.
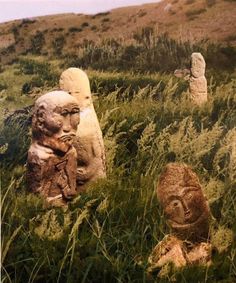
100,15
85,24
75,29
188,2
15,132
37,42
93,27
44,75
16,32
210,3
221,57
104,20
8,50
58,44
33,67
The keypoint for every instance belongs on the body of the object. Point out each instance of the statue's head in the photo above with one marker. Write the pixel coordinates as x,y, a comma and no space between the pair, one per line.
76,82
180,194
55,120
198,65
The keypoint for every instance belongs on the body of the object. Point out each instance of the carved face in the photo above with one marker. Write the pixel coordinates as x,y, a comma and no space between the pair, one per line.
55,120
184,204
76,83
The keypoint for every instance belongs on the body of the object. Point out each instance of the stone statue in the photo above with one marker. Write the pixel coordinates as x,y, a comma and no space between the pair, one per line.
197,80
52,158
187,213
89,141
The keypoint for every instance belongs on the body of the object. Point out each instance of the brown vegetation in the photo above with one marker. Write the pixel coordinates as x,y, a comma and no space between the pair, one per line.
183,20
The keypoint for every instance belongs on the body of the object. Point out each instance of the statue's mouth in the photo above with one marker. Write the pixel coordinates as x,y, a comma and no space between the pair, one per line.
187,217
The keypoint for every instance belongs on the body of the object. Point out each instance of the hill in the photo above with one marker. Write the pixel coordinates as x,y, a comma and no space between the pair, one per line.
185,20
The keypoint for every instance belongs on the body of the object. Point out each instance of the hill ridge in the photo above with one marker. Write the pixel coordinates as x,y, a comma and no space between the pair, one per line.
185,20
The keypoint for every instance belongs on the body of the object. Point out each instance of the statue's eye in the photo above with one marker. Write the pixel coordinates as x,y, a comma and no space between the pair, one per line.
64,113
175,203
87,97
75,111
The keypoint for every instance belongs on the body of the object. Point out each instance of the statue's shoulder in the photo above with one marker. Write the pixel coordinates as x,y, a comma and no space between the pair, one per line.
38,153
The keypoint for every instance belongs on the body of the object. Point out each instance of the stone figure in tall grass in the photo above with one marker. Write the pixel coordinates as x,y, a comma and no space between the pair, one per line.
51,164
187,212
89,141
197,80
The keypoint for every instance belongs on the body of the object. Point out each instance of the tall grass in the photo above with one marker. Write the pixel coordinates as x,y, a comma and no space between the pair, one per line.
107,234
149,51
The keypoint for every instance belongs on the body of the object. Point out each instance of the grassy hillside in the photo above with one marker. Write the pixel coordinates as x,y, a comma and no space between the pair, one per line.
107,234
184,20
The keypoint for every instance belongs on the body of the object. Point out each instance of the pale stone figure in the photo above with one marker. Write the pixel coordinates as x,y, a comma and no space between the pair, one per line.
197,80
89,141
187,212
51,164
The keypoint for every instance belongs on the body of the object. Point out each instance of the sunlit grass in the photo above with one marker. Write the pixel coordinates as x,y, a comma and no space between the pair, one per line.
107,234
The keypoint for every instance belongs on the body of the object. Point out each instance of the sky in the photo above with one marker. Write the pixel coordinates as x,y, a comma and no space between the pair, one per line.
19,9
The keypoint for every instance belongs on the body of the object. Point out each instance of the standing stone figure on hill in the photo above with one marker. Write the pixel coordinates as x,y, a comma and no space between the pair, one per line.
187,212
197,80
89,141
51,164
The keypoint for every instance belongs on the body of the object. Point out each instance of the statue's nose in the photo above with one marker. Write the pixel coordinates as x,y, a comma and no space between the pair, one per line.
187,211
67,125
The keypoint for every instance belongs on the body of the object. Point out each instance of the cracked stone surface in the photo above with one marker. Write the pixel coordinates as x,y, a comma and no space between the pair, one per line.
51,163
89,141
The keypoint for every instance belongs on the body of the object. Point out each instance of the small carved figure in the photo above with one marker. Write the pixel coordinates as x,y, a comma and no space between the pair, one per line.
89,141
197,80
187,212
52,158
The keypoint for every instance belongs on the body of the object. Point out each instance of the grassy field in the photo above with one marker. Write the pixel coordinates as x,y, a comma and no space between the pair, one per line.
107,234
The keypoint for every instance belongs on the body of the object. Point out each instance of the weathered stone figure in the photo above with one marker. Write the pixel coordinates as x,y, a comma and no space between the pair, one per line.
89,141
187,213
197,80
52,157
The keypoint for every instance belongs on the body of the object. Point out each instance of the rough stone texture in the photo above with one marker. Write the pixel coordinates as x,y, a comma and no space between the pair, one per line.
198,65
52,158
89,141
170,249
185,206
197,80
187,212
179,253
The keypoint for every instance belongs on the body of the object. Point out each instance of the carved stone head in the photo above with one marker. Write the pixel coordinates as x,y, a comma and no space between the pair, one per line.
55,120
198,65
185,206
76,82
